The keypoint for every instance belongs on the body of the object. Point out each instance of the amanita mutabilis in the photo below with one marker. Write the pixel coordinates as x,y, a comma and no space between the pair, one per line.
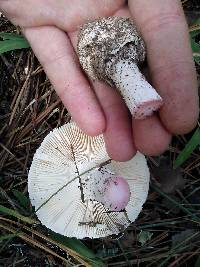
78,191
110,49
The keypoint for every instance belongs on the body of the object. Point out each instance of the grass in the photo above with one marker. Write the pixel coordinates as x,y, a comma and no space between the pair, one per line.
194,33
191,145
29,109
11,41
194,142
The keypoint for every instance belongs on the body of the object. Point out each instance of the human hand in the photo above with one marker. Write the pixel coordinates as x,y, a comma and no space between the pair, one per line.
51,27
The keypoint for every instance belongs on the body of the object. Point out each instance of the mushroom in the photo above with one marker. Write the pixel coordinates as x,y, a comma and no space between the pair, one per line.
78,191
110,49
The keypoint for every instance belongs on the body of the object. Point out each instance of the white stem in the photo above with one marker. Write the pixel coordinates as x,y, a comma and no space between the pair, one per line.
140,97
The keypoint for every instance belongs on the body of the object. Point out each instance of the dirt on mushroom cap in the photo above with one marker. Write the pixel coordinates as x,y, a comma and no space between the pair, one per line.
103,41
60,173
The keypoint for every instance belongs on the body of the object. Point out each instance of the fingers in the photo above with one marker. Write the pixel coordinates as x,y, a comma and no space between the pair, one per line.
60,64
65,14
164,29
150,137
28,13
118,132
56,55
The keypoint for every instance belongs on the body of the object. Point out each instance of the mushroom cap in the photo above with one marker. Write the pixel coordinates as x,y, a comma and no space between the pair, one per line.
55,188
103,41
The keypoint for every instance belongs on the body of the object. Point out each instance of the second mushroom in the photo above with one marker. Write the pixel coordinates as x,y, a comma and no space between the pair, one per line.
111,49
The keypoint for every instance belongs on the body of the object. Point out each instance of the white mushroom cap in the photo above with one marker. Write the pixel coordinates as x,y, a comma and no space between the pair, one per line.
72,205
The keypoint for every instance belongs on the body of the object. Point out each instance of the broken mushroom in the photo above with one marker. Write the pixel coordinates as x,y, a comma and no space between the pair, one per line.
110,49
78,191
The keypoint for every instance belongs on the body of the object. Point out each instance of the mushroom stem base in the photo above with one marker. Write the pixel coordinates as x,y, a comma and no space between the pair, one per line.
140,97
107,188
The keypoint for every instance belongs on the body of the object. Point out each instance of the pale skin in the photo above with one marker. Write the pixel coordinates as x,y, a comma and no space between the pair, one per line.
52,26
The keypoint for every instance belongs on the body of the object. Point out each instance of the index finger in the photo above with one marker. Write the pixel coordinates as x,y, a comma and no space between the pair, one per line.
164,29
54,51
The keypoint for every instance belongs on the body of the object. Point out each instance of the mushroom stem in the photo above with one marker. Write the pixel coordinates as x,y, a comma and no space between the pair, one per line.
109,189
140,97
116,194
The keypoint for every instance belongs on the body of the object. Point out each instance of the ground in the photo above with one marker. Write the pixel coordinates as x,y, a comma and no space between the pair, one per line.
167,230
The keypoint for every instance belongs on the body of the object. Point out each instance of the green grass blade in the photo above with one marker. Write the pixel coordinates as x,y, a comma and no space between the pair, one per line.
195,46
22,199
7,237
12,42
197,264
197,22
195,29
197,58
196,51
189,148
16,215
185,210
178,248
79,247
10,36
194,32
